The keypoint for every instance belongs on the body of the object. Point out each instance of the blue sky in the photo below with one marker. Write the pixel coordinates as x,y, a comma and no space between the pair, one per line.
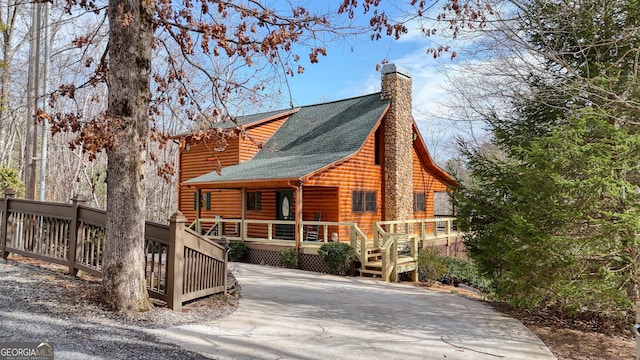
349,70
344,73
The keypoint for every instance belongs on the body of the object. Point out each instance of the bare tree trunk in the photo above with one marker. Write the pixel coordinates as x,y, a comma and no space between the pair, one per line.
7,20
130,35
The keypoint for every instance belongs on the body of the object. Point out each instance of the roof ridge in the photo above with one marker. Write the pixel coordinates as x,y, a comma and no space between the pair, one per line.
340,100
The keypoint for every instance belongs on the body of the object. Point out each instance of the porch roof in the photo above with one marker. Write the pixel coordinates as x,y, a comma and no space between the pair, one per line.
311,139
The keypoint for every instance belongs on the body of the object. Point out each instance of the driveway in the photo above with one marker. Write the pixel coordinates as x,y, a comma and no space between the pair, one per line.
293,314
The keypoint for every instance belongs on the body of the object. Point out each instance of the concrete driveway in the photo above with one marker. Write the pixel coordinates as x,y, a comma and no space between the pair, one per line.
292,314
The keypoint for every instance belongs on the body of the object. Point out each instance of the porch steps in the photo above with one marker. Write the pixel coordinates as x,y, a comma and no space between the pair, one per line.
373,266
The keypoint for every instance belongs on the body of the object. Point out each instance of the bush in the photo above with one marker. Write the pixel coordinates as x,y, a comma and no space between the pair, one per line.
289,258
337,256
237,251
431,265
461,271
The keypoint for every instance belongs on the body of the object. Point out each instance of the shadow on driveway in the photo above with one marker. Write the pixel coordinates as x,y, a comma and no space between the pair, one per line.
293,314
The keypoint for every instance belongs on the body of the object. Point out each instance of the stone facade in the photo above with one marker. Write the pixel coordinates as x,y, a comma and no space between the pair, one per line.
398,144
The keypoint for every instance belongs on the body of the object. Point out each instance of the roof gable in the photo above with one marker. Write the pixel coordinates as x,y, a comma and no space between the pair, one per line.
310,139
336,127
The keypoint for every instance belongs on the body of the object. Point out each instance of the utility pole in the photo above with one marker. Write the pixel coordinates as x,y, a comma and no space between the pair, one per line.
30,153
45,124
33,100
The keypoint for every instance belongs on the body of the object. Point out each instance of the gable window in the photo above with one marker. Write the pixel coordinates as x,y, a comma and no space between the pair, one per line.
254,199
363,202
377,146
418,202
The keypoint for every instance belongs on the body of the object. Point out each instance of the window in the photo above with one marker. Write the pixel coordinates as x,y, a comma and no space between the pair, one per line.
378,151
205,201
442,205
254,199
362,201
418,202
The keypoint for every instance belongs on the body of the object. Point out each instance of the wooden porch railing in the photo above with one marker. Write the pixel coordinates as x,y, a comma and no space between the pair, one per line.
430,232
252,230
180,265
392,250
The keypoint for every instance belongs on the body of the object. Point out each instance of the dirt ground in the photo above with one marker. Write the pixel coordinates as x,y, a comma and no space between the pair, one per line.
577,340
568,340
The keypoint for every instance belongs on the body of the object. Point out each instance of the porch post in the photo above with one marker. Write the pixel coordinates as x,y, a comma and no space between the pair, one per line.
198,211
243,212
298,218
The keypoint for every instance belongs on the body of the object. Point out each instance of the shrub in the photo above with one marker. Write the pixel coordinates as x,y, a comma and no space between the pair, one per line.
431,265
461,271
337,256
237,251
289,258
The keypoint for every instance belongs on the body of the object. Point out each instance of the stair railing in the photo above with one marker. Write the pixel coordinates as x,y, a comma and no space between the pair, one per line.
390,252
358,242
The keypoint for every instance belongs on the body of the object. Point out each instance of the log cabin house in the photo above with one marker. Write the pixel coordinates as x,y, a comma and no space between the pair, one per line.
316,173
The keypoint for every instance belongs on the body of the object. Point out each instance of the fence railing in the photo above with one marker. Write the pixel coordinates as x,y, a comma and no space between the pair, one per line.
180,265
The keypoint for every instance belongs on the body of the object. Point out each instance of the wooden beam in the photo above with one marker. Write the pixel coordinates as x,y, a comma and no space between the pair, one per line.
298,217
198,210
243,213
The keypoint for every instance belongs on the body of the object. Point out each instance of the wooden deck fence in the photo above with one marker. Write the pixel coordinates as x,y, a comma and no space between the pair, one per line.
180,265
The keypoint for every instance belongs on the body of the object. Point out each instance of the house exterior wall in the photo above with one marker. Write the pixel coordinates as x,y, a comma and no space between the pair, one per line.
257,136
358,173
424,182
267,212
321,201
225,203
193,163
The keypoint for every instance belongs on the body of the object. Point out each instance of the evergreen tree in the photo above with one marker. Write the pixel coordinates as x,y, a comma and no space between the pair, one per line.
555,219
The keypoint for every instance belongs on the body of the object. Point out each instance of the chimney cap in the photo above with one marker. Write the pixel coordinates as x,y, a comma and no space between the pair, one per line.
393,68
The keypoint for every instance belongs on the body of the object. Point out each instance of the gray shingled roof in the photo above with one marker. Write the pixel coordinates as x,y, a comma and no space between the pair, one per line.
314,137
253,118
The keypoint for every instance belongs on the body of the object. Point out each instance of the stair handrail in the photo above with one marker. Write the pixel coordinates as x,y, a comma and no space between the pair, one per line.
377,231
358,242
389,252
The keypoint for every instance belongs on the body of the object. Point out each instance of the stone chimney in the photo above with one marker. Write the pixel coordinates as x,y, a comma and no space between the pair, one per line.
398,144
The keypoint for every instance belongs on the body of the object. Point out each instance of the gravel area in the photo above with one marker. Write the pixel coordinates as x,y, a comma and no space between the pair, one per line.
40,304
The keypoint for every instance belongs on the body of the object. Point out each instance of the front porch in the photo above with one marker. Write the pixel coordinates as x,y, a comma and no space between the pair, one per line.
392,250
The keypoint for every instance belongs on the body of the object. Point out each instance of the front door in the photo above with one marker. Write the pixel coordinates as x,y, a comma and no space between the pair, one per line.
284,211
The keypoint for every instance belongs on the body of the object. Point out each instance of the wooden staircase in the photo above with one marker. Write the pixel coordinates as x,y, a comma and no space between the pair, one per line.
394,247
373,265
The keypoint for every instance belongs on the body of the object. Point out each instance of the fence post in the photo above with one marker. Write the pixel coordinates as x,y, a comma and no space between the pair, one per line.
9,193
75,247
447,233
175,267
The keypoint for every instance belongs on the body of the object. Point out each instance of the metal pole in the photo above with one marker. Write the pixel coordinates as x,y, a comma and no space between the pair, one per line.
45,124
29,169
